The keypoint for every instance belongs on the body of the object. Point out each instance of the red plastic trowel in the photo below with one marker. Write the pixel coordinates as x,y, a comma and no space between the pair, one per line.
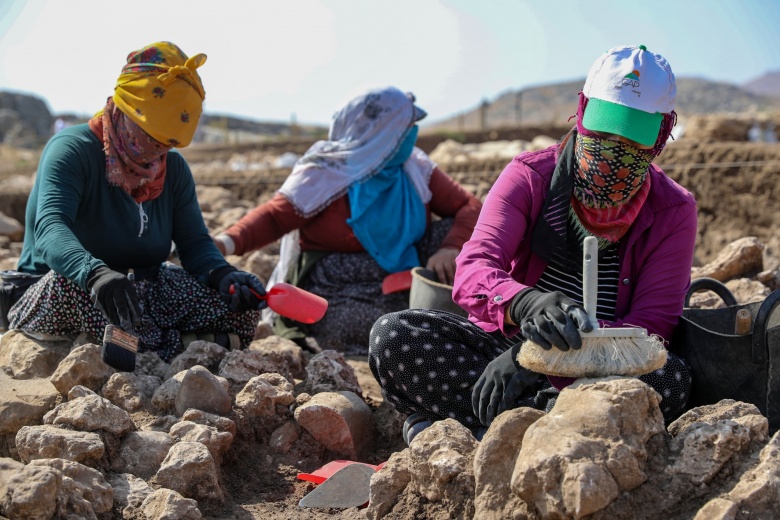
293,302
397,282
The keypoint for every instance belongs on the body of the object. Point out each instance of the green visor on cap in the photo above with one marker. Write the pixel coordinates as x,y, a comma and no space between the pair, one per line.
637,125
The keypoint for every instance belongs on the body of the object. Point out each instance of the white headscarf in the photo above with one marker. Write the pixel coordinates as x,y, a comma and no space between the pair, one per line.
363,136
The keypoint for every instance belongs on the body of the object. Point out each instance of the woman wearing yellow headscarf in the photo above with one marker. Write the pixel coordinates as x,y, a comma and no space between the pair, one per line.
109,198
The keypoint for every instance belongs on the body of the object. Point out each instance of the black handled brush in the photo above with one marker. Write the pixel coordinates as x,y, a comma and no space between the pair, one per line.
120,345
119,348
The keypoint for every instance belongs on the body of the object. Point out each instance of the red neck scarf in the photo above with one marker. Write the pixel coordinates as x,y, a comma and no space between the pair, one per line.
134,161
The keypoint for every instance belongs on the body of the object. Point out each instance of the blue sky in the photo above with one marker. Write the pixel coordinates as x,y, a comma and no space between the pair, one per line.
269,59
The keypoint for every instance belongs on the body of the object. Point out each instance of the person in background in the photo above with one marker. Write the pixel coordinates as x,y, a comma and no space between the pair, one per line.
355,208
109,199
520,274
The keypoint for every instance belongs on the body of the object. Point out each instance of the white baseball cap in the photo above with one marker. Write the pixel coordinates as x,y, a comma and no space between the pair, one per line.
629,89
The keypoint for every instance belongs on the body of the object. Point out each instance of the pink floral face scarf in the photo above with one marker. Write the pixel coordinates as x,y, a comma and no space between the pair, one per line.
610,185
134,160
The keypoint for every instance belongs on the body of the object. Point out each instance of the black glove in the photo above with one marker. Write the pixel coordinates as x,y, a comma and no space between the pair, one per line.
114,295
242,291
499,386
550,319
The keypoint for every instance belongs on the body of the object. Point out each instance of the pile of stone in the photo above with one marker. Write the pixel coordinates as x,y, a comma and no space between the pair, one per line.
79,440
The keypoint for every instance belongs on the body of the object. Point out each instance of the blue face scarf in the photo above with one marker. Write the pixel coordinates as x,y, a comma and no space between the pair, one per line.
388,217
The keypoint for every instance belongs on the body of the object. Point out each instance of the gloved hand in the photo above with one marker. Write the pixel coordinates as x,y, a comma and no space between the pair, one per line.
499,386
114,295
550,319
242,291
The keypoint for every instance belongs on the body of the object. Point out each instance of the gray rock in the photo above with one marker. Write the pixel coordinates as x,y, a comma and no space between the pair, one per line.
202,390
203,353
239,366
328,371
150,364
129,493
142,453
164,398
284,437
130,391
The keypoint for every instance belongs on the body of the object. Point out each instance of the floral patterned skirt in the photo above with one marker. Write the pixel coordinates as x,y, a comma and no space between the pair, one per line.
173,302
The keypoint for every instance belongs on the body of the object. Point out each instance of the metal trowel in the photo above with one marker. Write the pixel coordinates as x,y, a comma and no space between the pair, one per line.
348,487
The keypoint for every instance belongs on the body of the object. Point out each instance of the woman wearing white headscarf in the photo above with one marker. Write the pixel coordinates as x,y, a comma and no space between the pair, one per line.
360,204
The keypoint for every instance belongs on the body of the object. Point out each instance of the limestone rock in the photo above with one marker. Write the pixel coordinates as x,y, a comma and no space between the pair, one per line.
24,402
577,459
142,453
83,493
494,462
743,257
222,424
203,353
328,371
239,366
291,353
216,441
28,492
190,470
166,504
83,366
262,393
387,484
49,442
129,493
91,413
24,358
130,391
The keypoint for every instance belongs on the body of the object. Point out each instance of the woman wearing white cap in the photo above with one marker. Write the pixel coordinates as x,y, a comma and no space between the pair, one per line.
519,276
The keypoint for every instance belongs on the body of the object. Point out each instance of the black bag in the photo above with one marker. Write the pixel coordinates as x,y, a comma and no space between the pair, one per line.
13,285
726,365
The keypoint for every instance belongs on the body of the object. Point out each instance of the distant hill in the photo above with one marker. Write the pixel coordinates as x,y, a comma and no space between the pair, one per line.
554,104
766,85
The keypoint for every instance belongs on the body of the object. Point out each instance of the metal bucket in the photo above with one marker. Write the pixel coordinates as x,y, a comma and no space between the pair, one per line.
727,365
428,293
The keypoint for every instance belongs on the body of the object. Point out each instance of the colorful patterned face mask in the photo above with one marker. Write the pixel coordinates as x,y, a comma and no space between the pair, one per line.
609,172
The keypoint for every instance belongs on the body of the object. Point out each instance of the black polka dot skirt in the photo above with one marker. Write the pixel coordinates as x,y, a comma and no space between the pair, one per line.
173,302
427,362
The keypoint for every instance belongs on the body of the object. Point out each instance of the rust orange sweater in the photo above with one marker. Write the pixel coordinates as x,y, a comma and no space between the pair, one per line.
329,231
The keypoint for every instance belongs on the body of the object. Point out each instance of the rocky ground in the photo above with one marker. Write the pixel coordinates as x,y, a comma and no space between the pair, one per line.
224,434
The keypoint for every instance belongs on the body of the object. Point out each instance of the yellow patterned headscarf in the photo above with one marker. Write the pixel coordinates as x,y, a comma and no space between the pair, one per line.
160,90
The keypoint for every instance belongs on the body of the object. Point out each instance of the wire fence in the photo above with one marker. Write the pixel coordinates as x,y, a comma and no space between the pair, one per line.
257,177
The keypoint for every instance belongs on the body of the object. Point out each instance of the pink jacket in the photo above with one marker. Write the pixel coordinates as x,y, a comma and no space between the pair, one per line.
656,254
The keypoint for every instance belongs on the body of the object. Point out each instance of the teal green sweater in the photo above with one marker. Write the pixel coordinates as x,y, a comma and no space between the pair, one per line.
76,222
